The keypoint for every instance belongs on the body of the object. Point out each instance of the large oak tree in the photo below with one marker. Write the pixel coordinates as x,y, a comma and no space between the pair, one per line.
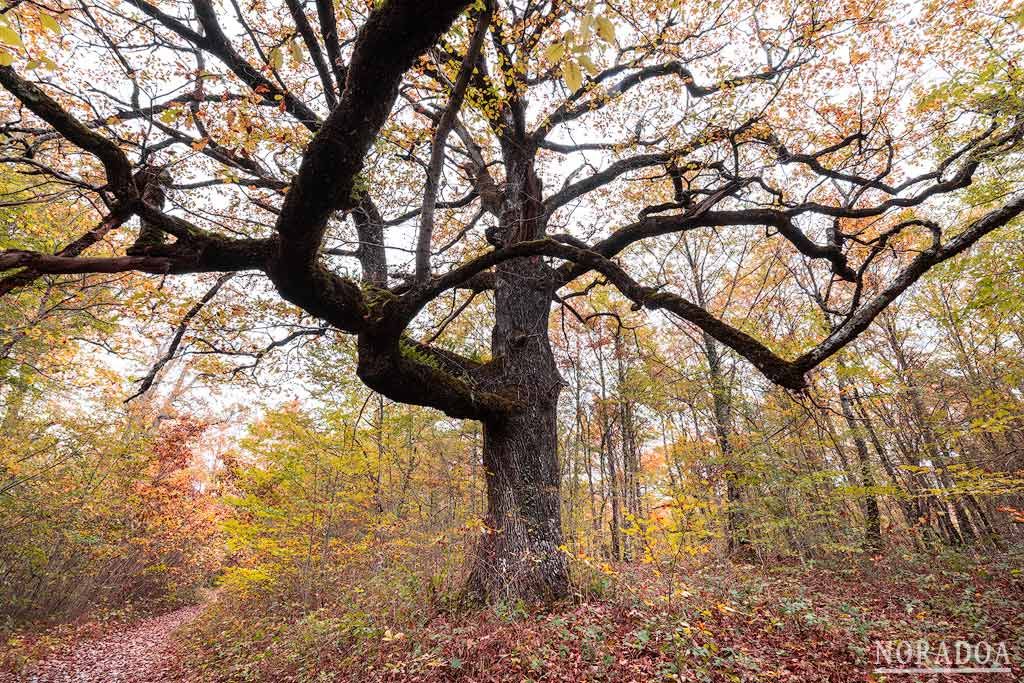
370,158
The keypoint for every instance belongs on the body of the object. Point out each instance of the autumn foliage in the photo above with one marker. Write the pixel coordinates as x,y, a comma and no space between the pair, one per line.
485,340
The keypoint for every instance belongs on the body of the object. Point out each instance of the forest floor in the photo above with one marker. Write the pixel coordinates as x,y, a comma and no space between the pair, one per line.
143,651
716,622
723,622
727,623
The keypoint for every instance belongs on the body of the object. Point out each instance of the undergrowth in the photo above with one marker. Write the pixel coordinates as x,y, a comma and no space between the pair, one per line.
720,622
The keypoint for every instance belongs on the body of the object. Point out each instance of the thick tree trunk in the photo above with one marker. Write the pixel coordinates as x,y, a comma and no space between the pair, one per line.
520,555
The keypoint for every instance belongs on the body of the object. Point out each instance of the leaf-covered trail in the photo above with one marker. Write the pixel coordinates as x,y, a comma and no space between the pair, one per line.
143,652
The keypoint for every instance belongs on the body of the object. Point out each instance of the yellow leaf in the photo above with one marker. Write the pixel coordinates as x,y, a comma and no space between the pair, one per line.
6,58
606,29
49,23
296,51
276,58
573,75
555,52
585,25
588,64
9,36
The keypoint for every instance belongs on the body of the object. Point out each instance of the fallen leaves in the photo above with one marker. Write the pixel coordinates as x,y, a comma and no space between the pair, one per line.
144,652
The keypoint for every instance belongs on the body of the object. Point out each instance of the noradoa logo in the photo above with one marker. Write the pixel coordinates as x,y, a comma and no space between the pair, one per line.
923,657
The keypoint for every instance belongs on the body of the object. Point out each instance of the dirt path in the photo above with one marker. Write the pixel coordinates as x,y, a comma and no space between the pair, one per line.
142,653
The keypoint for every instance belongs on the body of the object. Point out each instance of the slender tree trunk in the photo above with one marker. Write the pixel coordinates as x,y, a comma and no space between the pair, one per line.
736,536
872,517
608,458
595,518
737,540
992,534
908,507
963,533
616,497
630,455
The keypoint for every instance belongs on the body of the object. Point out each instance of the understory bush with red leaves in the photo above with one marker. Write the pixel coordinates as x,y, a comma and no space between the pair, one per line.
109,523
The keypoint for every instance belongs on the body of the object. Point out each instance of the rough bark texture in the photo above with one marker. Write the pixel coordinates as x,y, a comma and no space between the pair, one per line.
519,555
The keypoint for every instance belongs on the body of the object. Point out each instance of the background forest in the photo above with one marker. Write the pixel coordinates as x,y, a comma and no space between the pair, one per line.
185,445
325,515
